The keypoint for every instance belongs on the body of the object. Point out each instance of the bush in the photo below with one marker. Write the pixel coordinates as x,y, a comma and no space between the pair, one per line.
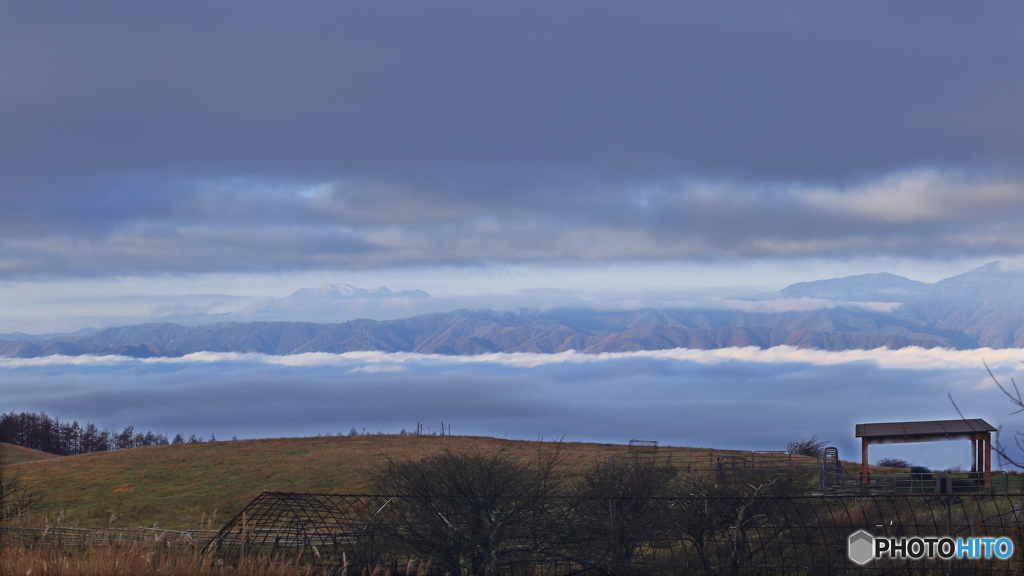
471,512
612,515
921,477
808,447
17,497
894,463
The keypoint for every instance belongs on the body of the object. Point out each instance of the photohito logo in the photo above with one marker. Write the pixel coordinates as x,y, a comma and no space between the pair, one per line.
864,547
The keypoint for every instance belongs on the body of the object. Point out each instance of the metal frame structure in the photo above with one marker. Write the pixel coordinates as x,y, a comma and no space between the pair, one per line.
312,528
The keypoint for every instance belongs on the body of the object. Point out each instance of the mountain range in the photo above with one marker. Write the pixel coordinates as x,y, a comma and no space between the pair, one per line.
347,291
982,307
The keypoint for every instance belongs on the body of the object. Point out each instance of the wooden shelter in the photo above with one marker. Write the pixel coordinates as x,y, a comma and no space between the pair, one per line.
976,430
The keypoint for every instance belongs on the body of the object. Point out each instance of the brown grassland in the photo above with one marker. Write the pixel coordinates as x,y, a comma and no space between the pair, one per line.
202,485
138,560
10,454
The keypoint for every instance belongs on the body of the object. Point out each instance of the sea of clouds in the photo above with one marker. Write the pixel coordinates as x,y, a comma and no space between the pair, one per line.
741,398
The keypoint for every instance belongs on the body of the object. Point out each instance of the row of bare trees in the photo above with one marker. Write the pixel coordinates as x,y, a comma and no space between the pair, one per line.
48,434
475,514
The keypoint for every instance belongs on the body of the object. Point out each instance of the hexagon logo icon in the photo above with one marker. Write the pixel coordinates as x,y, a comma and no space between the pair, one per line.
862,545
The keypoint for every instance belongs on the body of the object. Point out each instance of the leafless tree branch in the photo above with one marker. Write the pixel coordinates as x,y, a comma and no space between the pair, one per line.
1015,399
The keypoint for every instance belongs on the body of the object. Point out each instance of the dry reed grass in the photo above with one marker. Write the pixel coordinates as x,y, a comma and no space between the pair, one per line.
133,560
145,559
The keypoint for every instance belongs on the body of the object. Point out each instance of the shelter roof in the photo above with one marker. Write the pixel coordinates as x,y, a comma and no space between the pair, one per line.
928,428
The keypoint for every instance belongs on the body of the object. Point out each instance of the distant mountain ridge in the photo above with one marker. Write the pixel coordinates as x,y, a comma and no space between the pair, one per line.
477,332
349,291
878,287
43,337
983,307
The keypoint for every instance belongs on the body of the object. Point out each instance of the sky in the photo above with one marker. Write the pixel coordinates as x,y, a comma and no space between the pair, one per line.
190,160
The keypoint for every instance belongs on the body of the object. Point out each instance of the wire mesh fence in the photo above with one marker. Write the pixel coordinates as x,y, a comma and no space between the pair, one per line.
712,461
621,536
829,474
940,483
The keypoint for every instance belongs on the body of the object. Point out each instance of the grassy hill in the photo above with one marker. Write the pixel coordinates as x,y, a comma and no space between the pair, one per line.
11,454
184,485
178,486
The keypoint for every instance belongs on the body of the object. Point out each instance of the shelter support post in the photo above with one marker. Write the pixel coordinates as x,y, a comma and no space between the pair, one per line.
864,461
988,460
974,453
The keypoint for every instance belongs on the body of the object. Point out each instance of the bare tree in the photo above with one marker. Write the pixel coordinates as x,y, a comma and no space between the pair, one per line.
808,447
612,515
622,509
16,497
710,508
1017,401
472,513
1018,437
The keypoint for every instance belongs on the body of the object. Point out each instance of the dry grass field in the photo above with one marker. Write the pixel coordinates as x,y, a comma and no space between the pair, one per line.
198,485
10,454
138,560
203,485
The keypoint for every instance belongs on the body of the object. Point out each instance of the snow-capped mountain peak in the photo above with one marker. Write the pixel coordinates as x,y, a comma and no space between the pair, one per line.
343,291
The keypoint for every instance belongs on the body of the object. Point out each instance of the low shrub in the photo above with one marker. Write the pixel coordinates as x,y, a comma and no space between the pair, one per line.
894,463
812,447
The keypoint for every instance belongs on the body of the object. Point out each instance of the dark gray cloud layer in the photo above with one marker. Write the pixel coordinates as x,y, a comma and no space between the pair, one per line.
779,92
261,136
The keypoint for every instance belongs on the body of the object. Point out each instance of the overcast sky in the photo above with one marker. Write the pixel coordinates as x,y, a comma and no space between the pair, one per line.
176,138
181,157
